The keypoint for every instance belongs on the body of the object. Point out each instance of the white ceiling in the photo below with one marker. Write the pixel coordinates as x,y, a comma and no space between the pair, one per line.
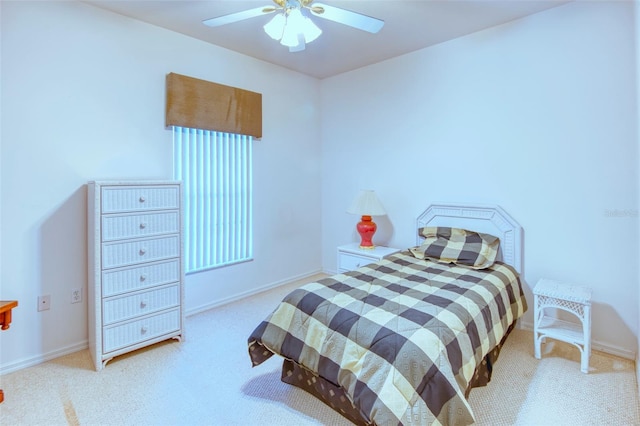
409,26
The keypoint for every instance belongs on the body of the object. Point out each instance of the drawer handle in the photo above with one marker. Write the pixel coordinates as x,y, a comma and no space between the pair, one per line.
143,225
142,199
143,330
142,252
143,304
143,278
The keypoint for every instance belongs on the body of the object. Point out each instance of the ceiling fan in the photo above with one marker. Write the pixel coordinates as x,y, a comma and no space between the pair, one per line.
292,28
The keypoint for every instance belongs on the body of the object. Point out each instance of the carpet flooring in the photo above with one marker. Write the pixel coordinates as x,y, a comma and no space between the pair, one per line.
208,380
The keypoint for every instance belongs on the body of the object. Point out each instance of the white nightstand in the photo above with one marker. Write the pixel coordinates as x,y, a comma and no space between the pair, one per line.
570,298
351,256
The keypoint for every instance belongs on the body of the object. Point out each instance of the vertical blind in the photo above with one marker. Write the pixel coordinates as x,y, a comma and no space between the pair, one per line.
215,169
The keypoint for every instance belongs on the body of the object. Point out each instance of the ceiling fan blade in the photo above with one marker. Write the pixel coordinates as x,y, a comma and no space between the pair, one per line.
238,16
347,17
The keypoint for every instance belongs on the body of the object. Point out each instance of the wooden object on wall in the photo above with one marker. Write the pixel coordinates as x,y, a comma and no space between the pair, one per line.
5,312
201,104
5,320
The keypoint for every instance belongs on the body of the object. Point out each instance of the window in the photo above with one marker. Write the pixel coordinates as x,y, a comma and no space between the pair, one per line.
215,169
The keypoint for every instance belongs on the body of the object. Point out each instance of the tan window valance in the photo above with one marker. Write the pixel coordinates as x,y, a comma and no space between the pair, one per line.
201,104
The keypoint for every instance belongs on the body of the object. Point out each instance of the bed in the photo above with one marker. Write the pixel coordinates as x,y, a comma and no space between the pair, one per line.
405,339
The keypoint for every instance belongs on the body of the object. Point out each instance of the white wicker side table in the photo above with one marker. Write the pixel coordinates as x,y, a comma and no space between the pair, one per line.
570,298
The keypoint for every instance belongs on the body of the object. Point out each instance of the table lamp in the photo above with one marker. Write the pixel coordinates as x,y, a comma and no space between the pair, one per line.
366,204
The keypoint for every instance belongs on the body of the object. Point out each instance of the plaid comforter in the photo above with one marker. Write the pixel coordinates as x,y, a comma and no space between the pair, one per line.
402,336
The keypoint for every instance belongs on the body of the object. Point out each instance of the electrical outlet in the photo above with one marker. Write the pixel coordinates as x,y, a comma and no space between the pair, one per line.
76,295
44,303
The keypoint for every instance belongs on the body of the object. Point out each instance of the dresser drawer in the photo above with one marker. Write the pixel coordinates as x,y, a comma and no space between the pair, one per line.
116,227
136,331
137,251
349,262
118,281
135,198
141,303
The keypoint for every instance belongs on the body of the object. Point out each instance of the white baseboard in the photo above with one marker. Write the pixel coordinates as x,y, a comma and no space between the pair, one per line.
39,359
596,345
248,293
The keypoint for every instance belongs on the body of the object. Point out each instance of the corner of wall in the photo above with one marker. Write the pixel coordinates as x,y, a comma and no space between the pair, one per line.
636,6
637,40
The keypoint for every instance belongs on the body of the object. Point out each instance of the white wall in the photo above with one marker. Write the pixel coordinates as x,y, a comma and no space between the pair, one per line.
535,116
83,99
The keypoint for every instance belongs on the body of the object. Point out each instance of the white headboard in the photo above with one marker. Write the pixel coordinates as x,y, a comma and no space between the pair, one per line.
488,219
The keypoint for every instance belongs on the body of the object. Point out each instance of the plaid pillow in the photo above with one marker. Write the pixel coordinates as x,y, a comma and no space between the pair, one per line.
459,246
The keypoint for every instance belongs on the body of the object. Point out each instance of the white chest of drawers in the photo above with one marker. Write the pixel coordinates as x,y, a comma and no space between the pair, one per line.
135,266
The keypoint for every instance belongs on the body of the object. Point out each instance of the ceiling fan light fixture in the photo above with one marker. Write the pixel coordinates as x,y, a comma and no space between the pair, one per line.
289,38
295,20
310,30
292,29
275,27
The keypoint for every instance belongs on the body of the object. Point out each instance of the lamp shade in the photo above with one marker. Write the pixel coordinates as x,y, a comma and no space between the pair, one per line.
366,203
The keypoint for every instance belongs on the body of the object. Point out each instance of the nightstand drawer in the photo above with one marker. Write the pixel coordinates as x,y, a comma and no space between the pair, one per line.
350,261
116,227
135,198
351,256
